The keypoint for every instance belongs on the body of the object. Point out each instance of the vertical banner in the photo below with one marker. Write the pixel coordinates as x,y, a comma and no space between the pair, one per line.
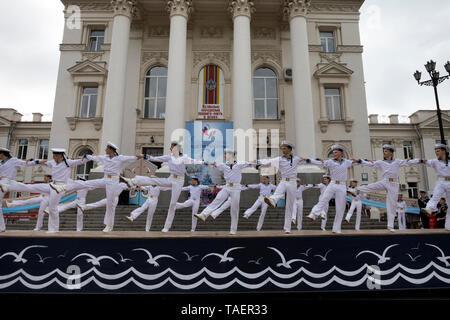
210,92
208,141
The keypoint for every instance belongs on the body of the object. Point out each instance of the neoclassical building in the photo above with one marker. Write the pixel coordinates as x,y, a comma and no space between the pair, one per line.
132,72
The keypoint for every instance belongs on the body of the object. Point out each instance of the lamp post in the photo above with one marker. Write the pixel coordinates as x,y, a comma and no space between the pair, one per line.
434,81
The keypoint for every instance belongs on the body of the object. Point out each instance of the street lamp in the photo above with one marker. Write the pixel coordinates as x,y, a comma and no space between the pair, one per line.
435,81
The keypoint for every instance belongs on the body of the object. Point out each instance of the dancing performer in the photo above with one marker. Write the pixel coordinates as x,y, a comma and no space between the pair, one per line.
287,165
326,179
356,204
225,205
177,166
401,210
297,214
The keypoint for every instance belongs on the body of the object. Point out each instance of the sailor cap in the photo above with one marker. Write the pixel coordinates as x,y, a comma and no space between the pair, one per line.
287,143
4,150
353,180
441,146
326,176
422,191
228,150
58,150
112,146
389,147
337,147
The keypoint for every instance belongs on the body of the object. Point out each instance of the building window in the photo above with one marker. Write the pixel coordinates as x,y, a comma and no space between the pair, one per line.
152,151
439,141
43,149
264,153
155,93
22,150
327,41
88,102
333,103
84,169
265,91
407,150
96,39
412,190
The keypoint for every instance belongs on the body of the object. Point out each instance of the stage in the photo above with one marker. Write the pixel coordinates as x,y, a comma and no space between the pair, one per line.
216,262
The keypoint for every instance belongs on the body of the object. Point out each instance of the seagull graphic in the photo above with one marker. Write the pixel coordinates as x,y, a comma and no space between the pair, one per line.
122,259
307,252
284,263
223,257
413,259
188,257
42,260
152,260
62,255
19,257
324,257
95,260
382,258
416,248
443,258
255,261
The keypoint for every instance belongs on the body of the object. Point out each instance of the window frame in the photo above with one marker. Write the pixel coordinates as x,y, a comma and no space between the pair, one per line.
43,150
408,151
89,95
341,107
266,98
98,47
156,98
327,49
21,149
84,165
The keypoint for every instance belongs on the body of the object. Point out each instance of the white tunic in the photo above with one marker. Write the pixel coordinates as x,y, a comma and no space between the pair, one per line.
401,206
338,169
232,173
8,167
360,196
81,194
390,168
195,191
442,170
153,191
112,165
264,189
300,189
321,187
60,171
177,165
287,167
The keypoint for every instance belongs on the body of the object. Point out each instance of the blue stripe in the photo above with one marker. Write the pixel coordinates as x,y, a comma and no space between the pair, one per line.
27,207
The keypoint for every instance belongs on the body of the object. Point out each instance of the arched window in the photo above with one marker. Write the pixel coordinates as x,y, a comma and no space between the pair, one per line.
265,91
155,93
84,169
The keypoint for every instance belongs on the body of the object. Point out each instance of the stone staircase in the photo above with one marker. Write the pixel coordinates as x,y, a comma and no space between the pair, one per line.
274,220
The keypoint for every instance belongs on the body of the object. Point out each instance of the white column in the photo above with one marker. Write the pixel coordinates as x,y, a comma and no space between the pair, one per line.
305,140
176,74
115,85
241,11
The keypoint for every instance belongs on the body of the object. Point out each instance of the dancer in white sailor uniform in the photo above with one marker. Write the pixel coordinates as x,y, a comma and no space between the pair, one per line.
61,170
442,186
225,205
401,210
150,205
322,187
389,168
195,191
297,213
42,199
112,163
177,166
101,203
232,172
265,190
287,165
338,167
356,204
8,171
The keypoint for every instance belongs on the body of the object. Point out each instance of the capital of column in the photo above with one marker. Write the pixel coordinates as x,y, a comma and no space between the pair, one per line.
124,7
180,7
241,8
296,8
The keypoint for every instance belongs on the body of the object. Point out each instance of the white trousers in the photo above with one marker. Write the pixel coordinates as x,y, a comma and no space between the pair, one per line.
323,224
25,202
112,188
440,188
254,207
391,189
297,214
97,204
401,219
2,221
339,191
224,206
235,194
71,205
149,205
17,203
356,204
288,187
170,182
190,203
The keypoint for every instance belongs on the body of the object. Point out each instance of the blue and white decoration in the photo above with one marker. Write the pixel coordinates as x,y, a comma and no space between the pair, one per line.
259,264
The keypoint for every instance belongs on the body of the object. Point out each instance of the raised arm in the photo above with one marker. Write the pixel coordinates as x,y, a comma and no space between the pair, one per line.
266,162
90,157
185,188
123,158
165,158
76,162
253,186
317,162
410,162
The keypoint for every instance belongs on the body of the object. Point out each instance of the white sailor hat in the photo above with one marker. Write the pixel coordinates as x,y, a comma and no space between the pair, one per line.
112,146
229,150
326,176
287,143
389,147
441,146
422,191
337,147
353,180
58,150
174,143
4,150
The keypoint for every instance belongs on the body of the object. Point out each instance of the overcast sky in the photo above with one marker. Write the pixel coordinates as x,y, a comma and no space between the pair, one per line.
398,38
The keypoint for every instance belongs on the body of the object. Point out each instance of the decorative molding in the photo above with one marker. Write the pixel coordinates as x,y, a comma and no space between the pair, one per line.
241,8
315,48
124,8
326,57
211,32
348,124
158,32
333,70
89,6
91,56
296,8
72,47
224,57
180,7
264,33
73,121
349,49
321,7
155,55
323,124
267,56
87,68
